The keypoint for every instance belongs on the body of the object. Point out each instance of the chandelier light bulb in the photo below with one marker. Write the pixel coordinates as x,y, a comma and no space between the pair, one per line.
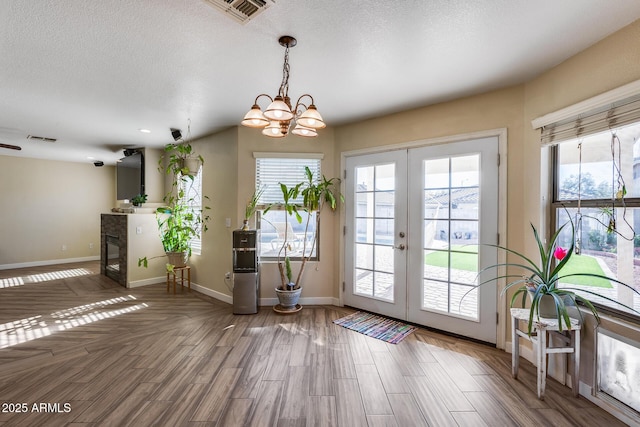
273,130
311,118
304,131
254,118
278,110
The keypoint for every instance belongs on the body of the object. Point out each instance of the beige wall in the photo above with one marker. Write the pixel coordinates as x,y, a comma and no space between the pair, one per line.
47,204
220,184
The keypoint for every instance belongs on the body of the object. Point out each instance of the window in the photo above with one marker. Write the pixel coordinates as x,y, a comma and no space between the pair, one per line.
190,193
289,169
589,175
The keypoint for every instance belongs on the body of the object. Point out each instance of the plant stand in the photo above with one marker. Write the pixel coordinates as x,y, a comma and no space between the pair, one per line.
172,278
288,301
570,337
287,310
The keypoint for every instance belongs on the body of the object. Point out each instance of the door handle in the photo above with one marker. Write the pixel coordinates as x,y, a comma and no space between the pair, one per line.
401,246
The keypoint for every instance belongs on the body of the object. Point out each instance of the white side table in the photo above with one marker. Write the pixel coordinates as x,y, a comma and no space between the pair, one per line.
570,337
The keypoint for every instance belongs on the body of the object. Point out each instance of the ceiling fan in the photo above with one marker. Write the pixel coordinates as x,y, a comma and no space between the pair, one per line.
10,147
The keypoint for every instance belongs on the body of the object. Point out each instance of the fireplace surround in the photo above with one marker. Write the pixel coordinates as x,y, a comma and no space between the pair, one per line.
113,244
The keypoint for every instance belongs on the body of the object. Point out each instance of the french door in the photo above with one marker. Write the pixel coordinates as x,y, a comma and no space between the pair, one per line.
417,224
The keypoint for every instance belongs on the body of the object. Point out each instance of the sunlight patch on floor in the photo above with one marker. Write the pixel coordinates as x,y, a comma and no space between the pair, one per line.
31,328
43,277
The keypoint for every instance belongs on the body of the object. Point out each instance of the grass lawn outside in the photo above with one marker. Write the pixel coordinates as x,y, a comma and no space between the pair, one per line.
465,257
587,265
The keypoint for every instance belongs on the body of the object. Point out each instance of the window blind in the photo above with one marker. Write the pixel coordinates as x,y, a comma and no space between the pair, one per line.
611,116
272,171
192,197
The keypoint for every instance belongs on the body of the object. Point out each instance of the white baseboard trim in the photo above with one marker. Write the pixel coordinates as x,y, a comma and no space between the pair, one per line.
48,262
213,294
617,411
263,302
145,282
229,299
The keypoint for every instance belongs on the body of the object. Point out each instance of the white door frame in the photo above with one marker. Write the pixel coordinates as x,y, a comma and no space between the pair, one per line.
501,134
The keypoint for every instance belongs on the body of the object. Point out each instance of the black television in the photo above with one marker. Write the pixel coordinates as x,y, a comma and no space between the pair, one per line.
130,176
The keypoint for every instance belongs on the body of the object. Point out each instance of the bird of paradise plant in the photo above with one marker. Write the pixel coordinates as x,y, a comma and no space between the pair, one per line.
543,279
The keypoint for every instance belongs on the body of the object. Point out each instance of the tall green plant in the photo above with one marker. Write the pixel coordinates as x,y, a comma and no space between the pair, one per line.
316,194
178,222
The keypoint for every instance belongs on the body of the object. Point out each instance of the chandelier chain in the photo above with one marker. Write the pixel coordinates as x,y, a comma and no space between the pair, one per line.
284,86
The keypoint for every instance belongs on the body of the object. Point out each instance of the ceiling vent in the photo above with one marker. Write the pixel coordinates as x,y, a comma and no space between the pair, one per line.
41,138
241,10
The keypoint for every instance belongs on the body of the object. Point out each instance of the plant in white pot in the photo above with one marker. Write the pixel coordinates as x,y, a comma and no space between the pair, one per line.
541,282
181,157
316,194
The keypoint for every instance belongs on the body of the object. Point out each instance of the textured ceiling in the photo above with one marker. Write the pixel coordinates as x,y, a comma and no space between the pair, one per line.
92,73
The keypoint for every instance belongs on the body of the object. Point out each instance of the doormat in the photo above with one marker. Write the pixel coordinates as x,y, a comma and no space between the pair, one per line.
379,327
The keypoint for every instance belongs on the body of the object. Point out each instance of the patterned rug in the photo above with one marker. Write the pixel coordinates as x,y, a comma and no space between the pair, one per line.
374,326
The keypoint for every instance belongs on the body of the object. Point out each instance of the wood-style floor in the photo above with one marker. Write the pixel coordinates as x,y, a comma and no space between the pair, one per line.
86,351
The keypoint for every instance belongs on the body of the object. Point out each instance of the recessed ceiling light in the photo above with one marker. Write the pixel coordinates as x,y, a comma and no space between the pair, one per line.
144,130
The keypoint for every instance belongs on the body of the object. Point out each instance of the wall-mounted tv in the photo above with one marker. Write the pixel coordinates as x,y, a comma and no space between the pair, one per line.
130,176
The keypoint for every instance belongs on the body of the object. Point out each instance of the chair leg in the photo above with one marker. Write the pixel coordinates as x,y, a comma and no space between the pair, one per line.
515,347
575,338
542,362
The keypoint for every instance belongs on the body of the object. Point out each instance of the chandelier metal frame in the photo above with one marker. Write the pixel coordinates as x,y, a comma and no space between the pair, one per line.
278,117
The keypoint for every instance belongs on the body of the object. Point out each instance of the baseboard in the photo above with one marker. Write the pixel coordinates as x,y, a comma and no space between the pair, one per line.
620,411
48,262
266,302
213,294
145,282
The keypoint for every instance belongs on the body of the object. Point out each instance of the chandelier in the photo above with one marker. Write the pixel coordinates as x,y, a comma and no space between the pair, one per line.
277,119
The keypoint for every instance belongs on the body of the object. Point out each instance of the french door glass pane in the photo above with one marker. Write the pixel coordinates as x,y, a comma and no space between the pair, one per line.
451,199
436,203
375,208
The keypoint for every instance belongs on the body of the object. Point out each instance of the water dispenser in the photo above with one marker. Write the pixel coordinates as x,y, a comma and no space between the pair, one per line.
246,274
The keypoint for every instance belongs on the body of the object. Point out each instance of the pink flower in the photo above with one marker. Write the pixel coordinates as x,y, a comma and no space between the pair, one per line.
560,253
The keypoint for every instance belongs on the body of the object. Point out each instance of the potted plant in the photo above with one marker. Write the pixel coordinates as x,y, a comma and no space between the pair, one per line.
180,157
541,282
178,222
139,199
252,206
316,194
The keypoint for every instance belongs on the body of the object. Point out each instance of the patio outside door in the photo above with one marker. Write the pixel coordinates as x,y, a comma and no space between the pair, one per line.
416,222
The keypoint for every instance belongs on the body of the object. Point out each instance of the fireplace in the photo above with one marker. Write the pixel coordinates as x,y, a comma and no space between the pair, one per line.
112,267
113,241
